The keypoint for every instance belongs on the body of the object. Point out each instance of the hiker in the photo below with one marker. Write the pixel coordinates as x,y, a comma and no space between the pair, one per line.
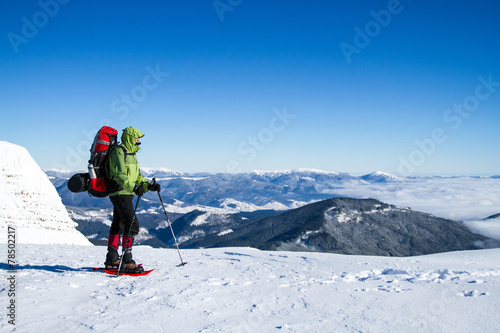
126,180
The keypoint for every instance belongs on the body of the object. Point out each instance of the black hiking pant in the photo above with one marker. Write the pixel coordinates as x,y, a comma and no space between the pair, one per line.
123,215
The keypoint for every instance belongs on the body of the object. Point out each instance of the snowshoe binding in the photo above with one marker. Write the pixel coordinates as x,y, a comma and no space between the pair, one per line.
131,268
129,265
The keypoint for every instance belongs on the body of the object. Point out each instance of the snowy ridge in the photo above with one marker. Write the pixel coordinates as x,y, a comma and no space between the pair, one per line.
227,206
279,173
29,202
232,206
160,172
343,217
62,174
355,216
247,290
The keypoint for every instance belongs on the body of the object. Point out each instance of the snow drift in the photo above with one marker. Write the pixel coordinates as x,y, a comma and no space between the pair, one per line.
247,290
30,203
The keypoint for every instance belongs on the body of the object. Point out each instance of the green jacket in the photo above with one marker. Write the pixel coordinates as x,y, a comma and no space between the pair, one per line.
124,170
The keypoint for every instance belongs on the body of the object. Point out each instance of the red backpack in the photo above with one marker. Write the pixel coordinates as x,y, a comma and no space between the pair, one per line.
97,181
105,139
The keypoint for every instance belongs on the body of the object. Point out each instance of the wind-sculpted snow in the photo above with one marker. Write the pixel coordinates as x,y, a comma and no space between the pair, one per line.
247,290
29,203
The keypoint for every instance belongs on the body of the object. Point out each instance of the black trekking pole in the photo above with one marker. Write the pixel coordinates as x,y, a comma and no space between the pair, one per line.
171,229
129,231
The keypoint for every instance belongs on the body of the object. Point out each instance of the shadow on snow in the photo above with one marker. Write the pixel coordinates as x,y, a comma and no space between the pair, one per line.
55,268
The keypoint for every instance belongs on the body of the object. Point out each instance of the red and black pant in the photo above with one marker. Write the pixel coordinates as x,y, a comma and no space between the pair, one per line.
123,218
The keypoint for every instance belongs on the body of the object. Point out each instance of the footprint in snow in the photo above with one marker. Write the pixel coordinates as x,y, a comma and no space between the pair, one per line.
473,293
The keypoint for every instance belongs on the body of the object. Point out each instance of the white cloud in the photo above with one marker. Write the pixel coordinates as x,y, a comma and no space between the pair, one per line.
459,198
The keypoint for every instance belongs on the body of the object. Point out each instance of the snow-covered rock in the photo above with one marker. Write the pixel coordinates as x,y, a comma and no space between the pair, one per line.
30,204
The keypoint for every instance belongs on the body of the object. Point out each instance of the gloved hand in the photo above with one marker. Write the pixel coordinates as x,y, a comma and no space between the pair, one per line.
154,187
139,190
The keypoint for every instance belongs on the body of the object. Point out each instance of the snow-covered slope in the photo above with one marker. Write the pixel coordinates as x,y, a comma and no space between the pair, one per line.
246,290
344,226
30,203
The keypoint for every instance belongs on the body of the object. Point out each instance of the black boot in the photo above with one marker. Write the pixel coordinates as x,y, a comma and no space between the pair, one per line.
112,258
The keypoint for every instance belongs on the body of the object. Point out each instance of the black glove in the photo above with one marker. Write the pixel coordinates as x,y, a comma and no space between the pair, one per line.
139,190
154,187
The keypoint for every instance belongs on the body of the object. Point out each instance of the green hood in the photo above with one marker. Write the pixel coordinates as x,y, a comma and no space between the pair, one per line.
129,138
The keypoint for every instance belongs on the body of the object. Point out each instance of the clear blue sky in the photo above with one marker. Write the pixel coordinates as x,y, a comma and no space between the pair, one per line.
238,85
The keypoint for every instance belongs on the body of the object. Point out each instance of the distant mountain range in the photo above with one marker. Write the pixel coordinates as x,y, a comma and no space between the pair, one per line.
343,225
289,189
230,193
338,225
286,210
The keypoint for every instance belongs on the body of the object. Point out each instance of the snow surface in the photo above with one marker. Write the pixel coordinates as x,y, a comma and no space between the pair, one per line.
247,290
30,203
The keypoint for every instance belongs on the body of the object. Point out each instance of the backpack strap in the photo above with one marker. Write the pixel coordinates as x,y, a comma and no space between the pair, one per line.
125,152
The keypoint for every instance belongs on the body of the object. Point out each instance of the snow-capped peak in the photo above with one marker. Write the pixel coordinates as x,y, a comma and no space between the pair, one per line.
379,176
160,172
279,173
